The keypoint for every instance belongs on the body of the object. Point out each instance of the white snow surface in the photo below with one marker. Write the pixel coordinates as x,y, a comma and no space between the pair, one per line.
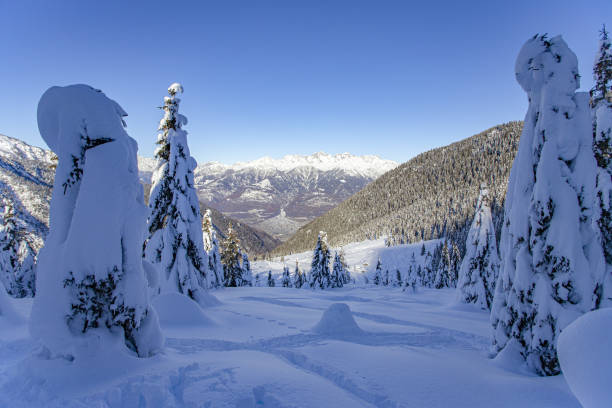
585,356
414,351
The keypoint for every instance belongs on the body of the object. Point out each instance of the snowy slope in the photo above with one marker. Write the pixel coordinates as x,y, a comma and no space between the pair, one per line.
259,349
26,178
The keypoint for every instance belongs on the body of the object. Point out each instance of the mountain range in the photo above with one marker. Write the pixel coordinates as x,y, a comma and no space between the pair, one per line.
280,195
430,196
26,182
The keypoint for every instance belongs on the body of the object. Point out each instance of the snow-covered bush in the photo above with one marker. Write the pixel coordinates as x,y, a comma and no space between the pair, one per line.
271,282
480,265
551,259
299,278
174,241
91,286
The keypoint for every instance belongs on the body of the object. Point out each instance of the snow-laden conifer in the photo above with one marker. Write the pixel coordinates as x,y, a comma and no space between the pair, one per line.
299,278
286,278
9,246
320,276
602,148
211,246
271,282
91,287
230,258
247,274
602,71
550,255
338,273
174,240
378,274
480,265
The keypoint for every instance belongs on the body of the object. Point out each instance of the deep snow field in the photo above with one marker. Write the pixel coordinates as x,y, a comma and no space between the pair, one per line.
270,347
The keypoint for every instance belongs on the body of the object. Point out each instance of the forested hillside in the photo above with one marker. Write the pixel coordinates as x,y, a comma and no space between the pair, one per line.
430,196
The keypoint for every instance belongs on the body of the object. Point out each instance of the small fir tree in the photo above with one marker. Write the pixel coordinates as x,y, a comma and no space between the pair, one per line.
378,278
320,276
602,71
298,276
271,282
480,265
230,258
211,246
338,273
286,280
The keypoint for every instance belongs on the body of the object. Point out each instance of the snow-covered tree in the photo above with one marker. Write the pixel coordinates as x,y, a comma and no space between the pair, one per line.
247,274
602,148
211,246
174,241
286,279
258,280
271,282
602,71
299,278
91,287
551,259
480,265
443,272
338,272
9,246
320,276
230,258
378,277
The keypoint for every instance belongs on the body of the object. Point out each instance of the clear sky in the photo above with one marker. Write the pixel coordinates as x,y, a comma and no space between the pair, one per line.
391,78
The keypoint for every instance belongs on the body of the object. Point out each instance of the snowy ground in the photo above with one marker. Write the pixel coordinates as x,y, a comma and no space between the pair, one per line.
361,258
258,349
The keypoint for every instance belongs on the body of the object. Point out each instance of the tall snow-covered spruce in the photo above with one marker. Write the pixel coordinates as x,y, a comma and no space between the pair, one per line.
91,284
602,148
480,266
174,241
551,259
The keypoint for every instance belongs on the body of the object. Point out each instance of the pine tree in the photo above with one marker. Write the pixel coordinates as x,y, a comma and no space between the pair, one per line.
320,277
338,273
480,265
286,280
211,246
550,255
175,224
230,258
258,280
298,277
378,278
247,276
602,149
443,271
271,282
9,246
602,71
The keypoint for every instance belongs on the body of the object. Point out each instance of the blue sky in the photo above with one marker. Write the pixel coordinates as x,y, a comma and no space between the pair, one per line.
391,78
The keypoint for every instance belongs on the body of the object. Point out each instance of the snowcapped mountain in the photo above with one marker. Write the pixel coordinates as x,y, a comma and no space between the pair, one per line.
26,178
26,181
280,195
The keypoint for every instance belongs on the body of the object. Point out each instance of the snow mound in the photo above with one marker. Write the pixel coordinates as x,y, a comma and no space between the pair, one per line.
585,356
338,320
175,309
